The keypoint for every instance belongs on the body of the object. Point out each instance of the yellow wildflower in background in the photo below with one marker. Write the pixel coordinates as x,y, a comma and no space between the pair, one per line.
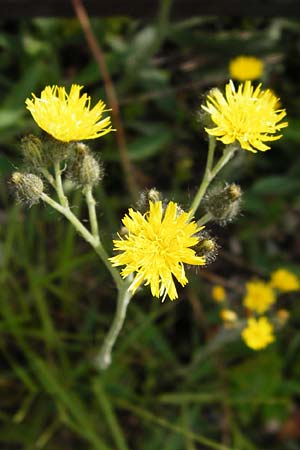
228,315
284,280
258,333
259,296
218,293
244,68
156,247
68,117
248,116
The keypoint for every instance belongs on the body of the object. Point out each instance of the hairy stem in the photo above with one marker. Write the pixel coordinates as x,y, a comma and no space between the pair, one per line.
210,171
103,360
207,175
87,235
91,203
59,186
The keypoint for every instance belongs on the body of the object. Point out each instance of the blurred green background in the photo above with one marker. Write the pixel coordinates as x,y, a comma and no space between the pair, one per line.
167,387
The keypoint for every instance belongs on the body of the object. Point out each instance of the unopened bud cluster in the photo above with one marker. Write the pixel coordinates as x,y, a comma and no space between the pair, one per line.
39,155
223,203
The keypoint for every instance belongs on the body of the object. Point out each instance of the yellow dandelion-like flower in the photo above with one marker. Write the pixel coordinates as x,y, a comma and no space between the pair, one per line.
68,117
259,296
156,247
248,116
244,68
218,293
284,280
258,333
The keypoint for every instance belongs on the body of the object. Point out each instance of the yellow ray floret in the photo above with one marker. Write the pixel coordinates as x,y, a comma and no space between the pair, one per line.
248,116
259,296
258,333
244,68
68,117
156,247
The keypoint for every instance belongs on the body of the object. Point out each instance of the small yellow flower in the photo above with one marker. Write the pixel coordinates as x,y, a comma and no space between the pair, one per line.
68,117
245,68
258,334
259,296
156,247
218,293
284,281
248,116
228,315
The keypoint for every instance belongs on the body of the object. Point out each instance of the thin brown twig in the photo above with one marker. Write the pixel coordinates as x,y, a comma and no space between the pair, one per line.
97,52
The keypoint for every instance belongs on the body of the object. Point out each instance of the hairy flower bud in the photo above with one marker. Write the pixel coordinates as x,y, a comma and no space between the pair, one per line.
223,203
32,149
152,195
56,151
27,186
207,247
85,170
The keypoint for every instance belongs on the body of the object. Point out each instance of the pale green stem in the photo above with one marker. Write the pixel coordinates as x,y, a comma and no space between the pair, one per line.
124,295
204,219
101,252
210,173
85,233
92,211
207,174
103,360
59,186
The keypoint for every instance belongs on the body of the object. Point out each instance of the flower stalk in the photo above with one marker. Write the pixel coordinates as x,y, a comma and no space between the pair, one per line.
211,172
103,360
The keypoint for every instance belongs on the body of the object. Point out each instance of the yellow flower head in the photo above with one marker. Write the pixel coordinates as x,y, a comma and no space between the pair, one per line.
68,117
245,68
259,296
284,281
258,333
156,247
218,293
248,116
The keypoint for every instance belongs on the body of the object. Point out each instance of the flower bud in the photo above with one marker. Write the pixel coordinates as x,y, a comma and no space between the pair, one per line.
148,195
206,246
56,151
85,170
32,149
223,203
28,187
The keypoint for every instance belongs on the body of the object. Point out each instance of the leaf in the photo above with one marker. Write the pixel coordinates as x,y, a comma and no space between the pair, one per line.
276,185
